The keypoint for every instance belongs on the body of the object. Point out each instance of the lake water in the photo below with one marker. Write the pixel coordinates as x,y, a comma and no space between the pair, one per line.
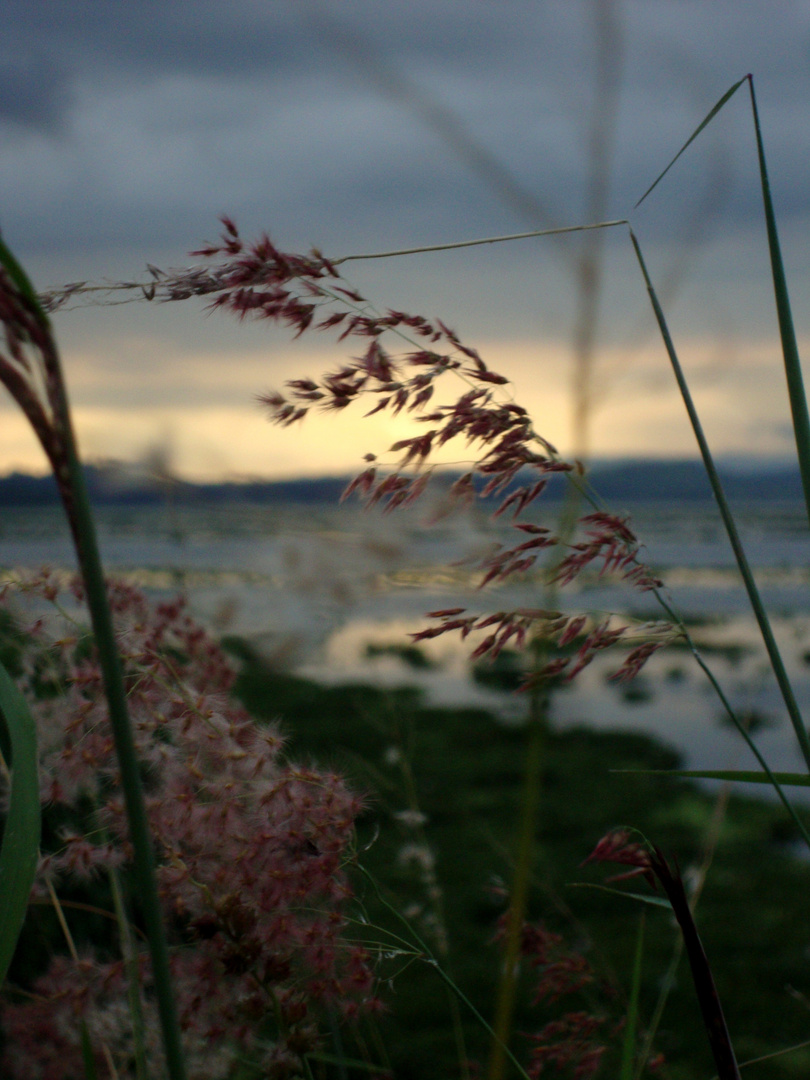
317,588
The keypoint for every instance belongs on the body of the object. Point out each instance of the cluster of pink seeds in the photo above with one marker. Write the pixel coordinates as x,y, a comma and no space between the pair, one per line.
308,293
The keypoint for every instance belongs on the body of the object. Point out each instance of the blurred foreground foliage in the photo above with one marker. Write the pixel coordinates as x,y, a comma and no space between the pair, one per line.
464,769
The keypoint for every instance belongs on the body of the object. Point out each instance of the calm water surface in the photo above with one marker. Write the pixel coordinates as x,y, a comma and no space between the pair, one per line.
315,587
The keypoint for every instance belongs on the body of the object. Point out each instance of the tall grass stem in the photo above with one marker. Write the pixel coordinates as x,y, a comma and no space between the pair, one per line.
59,442
518,900
629,1041
110,664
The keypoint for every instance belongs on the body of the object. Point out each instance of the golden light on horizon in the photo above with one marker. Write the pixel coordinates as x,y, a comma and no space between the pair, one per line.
203,416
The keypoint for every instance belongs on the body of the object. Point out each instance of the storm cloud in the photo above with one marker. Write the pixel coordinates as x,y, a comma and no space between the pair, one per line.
360,126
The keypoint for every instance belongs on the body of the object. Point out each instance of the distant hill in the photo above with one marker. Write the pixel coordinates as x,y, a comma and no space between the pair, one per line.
110,487
686,481
618,482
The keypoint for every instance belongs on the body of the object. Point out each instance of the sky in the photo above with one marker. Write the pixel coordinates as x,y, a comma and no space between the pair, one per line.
359,126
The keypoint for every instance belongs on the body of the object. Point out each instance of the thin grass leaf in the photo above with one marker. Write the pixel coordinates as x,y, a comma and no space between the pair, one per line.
757,606
88,1058
771,1056
742,776
468,243
711,115
429,958
787,333
349,1063
742,730
644,898
519,896
629,1041
19,852
130,958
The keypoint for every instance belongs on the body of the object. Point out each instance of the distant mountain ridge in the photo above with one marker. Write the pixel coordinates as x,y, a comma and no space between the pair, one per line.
627,481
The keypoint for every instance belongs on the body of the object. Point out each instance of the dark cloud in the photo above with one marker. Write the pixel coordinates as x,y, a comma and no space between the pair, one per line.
156,36
35,91
357,125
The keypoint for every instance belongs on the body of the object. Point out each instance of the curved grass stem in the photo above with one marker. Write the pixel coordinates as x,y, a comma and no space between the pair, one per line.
84,533
38,386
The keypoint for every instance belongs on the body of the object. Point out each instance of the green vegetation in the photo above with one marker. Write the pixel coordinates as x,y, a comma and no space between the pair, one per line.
466,770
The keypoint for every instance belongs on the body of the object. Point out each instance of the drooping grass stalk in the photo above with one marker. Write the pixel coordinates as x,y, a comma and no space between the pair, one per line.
667,984
708,999
728,521
47,408
160,289
476,243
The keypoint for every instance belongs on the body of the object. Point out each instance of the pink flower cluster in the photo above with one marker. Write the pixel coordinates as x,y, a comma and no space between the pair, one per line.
575,1042
251,850
522,624
617,847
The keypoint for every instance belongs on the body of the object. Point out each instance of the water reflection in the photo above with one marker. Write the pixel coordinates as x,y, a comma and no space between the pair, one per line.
334,593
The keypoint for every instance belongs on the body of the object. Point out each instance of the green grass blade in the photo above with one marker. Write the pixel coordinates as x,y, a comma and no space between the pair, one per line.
742,776
644,898
711,115
88,1059
429,958
19,853
73,490
130,959
21,280
787,333
629,1041
741,728
348,1063
757,606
